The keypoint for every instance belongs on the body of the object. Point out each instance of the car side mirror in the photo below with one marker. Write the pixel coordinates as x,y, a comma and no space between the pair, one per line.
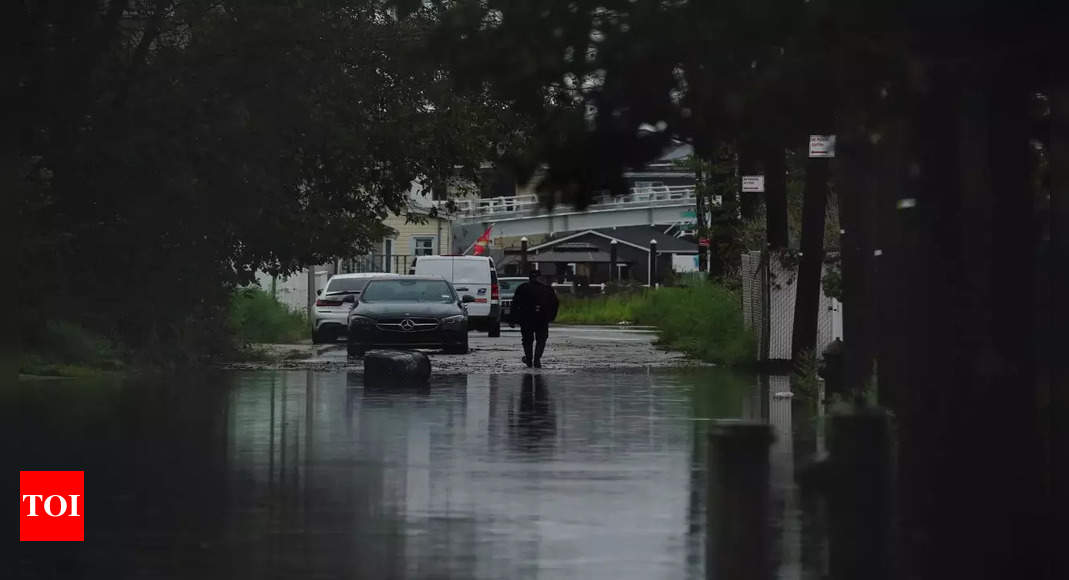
318,292
349,299
467,298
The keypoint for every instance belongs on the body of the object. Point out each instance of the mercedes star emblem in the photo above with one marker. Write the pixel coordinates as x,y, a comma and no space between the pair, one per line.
407,324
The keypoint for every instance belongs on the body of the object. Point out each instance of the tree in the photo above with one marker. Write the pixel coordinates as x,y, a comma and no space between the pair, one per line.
172,149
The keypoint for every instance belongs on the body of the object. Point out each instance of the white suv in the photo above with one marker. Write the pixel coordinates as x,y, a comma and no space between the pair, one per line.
332,311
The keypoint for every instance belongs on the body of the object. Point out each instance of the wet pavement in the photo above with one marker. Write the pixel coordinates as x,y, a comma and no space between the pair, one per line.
308,474
570,348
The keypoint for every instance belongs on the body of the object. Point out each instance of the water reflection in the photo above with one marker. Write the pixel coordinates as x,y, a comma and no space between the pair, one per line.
300,474
532,425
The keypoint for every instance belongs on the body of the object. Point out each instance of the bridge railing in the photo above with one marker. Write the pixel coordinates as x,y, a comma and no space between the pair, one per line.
528,203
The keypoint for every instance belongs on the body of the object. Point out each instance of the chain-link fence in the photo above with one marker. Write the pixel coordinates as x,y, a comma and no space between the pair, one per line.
769,286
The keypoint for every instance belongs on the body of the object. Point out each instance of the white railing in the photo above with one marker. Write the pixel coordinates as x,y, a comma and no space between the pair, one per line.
522,204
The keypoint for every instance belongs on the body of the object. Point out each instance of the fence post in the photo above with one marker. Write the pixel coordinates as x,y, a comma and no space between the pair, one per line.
653,263
859,496
737,510
523,256
613,256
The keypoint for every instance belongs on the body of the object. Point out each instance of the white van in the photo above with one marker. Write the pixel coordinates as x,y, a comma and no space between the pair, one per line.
473,276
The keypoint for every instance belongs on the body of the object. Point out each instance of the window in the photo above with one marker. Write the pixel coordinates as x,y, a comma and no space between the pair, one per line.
423,246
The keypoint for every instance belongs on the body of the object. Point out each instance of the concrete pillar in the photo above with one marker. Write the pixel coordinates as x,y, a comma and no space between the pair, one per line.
523,256
738,535
613,256
652,276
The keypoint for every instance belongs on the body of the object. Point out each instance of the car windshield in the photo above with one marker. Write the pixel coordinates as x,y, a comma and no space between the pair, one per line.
409,291
346,285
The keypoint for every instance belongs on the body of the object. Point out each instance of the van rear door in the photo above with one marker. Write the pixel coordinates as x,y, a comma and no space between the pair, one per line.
473,277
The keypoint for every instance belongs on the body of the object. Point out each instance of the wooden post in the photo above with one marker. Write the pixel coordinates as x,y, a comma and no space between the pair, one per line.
312,296
737,536
859,496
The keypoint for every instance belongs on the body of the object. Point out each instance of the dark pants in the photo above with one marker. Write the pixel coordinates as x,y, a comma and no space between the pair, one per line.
530,333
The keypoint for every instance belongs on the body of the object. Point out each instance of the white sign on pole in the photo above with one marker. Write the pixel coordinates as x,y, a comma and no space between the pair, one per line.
822,146
753,183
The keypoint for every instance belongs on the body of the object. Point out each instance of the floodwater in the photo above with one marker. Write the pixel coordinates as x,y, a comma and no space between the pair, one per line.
307,474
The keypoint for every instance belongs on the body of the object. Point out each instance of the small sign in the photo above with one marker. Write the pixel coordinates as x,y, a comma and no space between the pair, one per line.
822,146
704,242
753,183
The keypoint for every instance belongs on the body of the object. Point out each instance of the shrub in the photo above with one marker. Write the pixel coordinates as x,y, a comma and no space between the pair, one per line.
63,348
702,319
255,316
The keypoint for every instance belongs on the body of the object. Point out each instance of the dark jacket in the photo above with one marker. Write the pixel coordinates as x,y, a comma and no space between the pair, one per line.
534,303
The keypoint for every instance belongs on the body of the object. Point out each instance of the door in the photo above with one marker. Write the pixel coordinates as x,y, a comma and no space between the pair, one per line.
472,277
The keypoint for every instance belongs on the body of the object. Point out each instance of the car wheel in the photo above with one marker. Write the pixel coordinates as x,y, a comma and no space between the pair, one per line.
495,329
356,349
461,349
317,337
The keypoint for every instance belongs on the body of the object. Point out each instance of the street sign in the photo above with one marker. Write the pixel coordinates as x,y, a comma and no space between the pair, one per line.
822,146
753,183
704,242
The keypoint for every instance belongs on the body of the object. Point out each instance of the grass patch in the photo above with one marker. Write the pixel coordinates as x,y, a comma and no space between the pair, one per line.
701,319
255,316
601,309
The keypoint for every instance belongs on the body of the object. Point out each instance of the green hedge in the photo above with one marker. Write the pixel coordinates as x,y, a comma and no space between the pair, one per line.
701,319
255,316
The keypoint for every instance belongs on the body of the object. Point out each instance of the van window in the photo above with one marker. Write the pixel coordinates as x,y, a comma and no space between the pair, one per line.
470,271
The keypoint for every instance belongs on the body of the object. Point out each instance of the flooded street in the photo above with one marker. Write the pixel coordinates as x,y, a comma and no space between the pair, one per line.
302,473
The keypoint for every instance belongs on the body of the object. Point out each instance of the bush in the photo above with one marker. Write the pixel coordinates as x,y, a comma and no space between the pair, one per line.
63,348
701,319
255,316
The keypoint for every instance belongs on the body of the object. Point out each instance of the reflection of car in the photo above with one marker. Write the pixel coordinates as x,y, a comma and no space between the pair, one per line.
508,288
409,312
473,276
331,313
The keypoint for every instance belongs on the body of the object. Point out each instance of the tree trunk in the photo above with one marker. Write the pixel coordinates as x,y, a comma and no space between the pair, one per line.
970,465
807,298
748,162
775,166
1058,363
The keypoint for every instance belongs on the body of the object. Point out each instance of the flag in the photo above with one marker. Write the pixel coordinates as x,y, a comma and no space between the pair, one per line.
482,243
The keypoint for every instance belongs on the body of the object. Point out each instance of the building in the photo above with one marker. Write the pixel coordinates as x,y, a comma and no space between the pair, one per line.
587,255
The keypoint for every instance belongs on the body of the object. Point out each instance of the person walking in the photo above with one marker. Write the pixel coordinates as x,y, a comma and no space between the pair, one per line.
534,306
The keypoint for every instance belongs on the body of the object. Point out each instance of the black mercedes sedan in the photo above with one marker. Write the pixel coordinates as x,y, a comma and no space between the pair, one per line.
408,312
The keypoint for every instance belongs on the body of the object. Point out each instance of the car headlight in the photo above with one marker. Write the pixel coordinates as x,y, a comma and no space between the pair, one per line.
356,320
453,319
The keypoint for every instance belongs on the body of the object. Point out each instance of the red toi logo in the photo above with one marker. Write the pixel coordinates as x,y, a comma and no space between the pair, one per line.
51,506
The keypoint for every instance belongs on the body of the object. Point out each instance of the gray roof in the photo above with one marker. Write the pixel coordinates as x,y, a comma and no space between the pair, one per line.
641,236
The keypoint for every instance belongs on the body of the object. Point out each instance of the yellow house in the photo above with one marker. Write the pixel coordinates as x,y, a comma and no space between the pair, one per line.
431,238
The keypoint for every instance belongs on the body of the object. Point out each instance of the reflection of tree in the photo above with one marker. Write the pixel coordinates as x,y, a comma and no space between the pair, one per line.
534,421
